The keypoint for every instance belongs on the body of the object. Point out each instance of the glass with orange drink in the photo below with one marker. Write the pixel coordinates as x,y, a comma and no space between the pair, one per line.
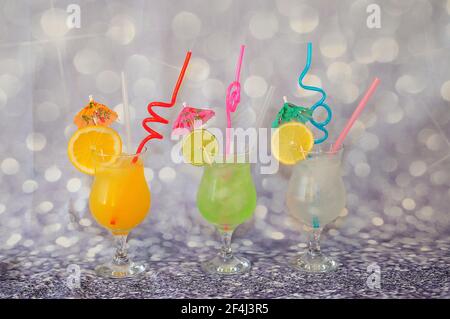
120,197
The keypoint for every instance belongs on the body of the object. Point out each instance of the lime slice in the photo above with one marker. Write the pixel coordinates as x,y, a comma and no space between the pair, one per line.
200,147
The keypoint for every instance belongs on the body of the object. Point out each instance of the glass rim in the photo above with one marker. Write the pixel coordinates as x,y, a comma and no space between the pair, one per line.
121,155
232,158
325,148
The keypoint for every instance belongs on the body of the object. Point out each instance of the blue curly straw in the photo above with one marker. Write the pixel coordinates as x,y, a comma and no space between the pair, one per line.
319,125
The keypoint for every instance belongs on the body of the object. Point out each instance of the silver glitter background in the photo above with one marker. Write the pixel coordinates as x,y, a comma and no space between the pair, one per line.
397,163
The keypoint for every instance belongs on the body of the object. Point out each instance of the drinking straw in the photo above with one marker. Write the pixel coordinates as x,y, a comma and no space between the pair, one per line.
126,112
321,102
263,112
355,115
91,100
233,97
155,117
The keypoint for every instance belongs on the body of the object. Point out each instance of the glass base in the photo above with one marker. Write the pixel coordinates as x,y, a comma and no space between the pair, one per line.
233,266
112,271
314,263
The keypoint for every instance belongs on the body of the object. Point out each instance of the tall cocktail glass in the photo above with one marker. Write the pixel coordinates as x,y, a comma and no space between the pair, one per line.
119,201
316,196
226,198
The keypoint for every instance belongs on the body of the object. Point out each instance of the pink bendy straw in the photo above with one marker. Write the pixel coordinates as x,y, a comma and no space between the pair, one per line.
233,98
355,115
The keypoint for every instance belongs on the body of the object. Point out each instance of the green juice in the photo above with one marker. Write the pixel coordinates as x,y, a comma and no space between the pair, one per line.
226,195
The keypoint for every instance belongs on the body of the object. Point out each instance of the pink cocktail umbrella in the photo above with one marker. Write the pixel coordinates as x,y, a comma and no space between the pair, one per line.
190,118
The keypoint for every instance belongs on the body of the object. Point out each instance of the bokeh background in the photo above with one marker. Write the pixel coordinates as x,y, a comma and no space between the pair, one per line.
397,161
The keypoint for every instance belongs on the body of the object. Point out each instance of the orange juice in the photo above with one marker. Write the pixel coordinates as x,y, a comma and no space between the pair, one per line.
120,197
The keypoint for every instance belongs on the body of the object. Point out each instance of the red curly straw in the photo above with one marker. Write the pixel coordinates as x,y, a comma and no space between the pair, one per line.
155,117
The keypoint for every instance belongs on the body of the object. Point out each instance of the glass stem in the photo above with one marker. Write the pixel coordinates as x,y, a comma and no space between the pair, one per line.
314,242
121,256
225,236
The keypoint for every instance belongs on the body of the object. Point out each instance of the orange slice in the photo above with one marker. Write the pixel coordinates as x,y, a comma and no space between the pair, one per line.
91,140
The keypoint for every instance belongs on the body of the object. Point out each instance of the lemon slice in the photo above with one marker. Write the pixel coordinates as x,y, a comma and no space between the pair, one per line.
89,140
200,147
292,142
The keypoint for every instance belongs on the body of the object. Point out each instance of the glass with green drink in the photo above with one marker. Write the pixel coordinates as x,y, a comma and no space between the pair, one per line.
226,198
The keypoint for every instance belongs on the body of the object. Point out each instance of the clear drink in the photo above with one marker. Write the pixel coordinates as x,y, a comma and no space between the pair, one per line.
316,192
316,196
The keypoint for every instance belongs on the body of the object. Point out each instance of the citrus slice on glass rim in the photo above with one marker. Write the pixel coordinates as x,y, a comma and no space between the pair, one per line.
91,140
199,147
291,142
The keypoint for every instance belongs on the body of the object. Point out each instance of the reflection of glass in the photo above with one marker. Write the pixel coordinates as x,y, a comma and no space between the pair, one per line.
226,198
315,197
119,201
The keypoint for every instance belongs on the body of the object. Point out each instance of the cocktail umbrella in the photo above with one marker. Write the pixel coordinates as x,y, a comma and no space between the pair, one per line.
95,114
190,118
291,112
